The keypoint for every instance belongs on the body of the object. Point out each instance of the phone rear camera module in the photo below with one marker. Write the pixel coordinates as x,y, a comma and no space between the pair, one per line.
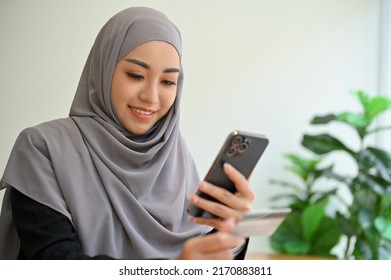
238,146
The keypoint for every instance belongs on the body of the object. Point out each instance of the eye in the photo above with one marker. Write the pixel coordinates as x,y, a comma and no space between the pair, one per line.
135,76
168,83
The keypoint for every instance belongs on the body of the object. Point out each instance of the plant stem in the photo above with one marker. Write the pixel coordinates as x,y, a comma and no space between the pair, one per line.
347,249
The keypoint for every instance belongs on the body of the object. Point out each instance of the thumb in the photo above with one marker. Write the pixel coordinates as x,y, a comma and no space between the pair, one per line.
227,225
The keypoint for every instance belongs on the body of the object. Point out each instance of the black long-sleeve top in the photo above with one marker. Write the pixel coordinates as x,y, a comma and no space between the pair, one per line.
47,234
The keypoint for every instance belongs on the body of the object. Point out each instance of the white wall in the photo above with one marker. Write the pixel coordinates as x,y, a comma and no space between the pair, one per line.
384,78
258,65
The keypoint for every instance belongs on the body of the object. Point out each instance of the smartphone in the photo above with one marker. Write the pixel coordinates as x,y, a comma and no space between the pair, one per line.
242,150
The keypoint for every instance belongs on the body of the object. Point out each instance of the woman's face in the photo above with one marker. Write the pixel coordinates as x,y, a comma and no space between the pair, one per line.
144,85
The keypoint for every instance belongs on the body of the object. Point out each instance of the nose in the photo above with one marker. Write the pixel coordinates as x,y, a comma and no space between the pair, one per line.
150,93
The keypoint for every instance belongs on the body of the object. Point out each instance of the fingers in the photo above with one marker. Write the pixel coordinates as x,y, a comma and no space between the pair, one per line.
241,183
239,201
215,208
219,241
213,246
227,225
219,224
229,204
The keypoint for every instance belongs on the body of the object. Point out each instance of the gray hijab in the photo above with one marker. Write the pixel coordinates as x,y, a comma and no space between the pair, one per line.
125,194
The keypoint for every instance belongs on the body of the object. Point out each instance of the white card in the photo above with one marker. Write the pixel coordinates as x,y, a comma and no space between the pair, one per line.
261,222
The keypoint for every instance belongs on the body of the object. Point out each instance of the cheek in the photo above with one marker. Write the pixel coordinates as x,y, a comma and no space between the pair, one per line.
120,92
116,99
115,92
168,99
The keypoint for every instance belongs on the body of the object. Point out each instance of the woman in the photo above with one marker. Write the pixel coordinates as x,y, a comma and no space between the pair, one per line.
113,180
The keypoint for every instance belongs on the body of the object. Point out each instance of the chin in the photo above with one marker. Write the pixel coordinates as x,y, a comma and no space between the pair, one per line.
138,131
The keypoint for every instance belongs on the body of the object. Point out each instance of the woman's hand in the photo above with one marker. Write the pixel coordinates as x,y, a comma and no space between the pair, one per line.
229,209
215,246
230,206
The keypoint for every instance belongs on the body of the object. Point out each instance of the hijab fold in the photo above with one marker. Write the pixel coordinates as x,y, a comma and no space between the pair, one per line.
125,194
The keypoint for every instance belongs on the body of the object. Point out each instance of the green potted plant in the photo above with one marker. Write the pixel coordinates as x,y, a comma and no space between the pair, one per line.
366,223
308,230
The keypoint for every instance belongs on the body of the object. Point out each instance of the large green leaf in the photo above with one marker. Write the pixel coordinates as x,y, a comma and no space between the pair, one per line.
329,173
304,163
385,251
366,219
365,199
326,237
311,218
303,167
288,232
300,172
375,158
383,222
288,236
324,195
346,225
299,247
363,250
322,172
356,120
374,183
383,156
385,206
323,119
373,106
383,225
291,237
368,244
378,105
299,205
323,144
363,98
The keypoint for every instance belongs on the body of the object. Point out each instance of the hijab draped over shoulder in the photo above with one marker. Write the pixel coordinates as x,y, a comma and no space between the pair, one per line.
124,194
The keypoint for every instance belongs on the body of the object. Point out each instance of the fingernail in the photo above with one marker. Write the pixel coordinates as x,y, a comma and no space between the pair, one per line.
193,198
191,218
227,165
202,186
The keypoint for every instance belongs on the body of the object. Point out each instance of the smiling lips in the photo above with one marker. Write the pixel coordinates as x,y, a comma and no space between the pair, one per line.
142,113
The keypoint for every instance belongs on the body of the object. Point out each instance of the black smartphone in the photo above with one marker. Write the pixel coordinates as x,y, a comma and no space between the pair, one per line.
242,150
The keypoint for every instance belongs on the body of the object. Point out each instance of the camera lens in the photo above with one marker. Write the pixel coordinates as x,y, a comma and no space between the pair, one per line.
237,140
231,151
242,147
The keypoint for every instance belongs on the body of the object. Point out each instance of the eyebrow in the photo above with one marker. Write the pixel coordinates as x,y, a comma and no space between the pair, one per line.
147,66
